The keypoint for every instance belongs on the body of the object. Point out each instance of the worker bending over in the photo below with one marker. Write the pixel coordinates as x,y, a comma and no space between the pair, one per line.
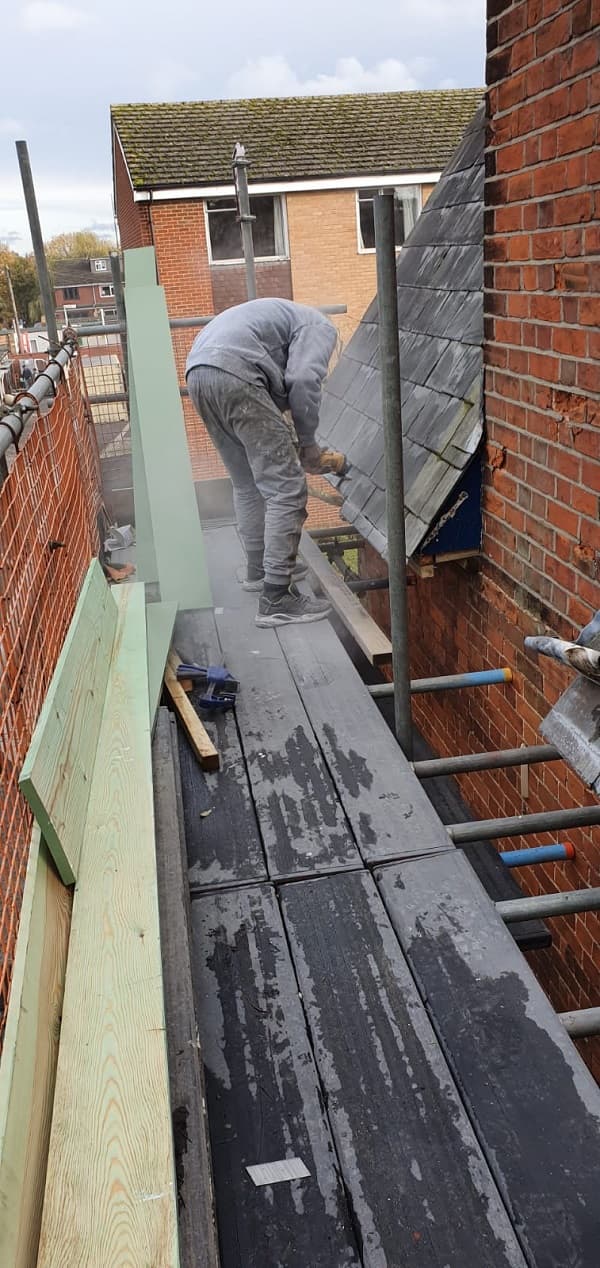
246,369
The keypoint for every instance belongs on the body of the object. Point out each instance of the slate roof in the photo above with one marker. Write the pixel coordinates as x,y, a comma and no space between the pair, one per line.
175,144
79,273
440,311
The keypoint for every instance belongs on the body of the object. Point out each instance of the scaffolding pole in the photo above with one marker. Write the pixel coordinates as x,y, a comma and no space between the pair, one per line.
581,1023
12,425
523,825
389,356
446,682
245,217
46,290
545,905
528,755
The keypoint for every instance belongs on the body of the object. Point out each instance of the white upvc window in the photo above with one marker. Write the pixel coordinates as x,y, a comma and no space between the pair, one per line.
224,236
407,207
100,266
106,291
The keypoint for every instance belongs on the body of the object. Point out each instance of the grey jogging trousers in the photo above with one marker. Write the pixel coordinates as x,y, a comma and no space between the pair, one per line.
257,446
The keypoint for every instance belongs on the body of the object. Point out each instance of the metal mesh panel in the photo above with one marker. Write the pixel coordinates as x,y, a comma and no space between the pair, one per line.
49,504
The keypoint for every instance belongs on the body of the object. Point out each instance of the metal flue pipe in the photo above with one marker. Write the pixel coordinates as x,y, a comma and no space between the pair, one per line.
389,356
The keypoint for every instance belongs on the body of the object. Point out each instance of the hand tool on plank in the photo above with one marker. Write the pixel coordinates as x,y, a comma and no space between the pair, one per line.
220,687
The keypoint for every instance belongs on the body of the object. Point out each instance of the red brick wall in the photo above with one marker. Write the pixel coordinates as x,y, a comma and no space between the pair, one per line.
133,218
541,549
229,283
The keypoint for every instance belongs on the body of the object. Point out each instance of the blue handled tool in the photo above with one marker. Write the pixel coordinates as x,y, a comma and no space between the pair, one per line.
220,686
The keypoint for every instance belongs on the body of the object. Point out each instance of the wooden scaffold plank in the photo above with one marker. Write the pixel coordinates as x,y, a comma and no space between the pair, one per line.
110,1191
29,1055
57,773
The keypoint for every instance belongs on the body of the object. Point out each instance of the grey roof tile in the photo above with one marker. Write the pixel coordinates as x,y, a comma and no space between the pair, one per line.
183,143
440,317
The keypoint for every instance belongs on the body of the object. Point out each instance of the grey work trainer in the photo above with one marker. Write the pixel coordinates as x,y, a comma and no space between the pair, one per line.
257,583
293,608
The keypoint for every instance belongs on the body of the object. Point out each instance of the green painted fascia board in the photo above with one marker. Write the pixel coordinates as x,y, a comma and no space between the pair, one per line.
140,266
160,622
173,507
145,555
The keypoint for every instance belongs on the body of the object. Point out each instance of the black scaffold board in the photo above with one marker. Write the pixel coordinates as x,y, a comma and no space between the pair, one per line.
390,813
421,1191
303,825
223,841
535,1105
264,1100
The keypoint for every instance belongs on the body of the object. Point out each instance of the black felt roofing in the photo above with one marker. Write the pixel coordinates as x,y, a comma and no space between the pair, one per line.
440,317
175,144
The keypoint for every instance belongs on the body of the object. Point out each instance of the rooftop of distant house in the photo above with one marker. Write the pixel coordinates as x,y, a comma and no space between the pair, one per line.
184,144
82,272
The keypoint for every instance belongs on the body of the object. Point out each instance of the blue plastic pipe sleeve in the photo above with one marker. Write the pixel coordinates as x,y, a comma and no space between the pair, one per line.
537,854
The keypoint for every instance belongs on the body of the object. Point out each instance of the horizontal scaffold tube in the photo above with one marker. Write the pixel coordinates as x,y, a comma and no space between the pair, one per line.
543,905
496,760
521,825
449,682
582,1022
538,854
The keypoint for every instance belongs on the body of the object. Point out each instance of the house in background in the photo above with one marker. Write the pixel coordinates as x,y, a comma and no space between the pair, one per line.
315,164
83,291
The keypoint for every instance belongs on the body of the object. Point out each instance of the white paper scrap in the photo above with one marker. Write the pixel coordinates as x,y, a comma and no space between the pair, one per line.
275,1172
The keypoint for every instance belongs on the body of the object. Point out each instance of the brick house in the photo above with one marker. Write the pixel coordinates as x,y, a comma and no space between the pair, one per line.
83,290
314,164
539,565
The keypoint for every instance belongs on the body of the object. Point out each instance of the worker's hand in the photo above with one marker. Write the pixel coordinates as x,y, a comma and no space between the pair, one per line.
317,461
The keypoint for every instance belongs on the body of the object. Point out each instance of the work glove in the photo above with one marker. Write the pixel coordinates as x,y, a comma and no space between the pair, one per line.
317,461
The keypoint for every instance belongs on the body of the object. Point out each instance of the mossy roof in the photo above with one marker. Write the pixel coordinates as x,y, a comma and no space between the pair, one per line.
179,144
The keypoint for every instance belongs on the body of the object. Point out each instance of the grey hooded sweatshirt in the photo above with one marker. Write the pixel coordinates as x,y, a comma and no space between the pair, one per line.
275,344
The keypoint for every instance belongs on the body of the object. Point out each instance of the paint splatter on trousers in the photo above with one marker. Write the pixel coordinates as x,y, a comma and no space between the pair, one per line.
259,450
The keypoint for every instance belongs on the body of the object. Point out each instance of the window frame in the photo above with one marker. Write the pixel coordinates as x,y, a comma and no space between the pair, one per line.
259,259
107,290
100,265
362,250
70,293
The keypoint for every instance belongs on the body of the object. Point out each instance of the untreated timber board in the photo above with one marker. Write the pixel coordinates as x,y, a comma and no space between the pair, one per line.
421,1191
57,772
390,813
263,1094
535,1106
29,1055
197,1232
110,1189
365,631
223,840
303,826
196,732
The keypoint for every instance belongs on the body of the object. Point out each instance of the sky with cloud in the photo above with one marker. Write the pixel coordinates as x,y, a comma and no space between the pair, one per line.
64,64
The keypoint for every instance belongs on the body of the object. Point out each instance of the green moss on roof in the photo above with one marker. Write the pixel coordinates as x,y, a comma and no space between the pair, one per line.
175,144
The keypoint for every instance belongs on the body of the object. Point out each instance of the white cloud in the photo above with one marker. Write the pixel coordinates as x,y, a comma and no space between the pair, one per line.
63,206
50,15
274,77
11,127
170,79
